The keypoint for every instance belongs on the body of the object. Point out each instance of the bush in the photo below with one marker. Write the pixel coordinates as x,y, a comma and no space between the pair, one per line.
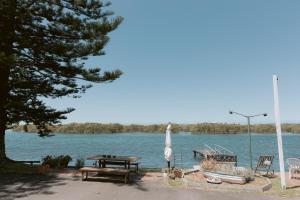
51,161
57,162
64,161
79,163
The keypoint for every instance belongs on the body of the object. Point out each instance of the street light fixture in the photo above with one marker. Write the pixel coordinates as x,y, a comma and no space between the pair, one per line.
249,132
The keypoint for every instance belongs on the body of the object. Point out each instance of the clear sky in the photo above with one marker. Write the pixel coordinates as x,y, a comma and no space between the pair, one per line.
192,61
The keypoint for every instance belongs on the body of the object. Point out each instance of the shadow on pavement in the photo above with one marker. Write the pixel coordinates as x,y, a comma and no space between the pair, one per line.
134,181
14,186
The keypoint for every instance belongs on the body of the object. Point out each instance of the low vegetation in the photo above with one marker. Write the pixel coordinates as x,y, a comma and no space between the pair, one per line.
9,167
79,163
292,190
210,128
58,162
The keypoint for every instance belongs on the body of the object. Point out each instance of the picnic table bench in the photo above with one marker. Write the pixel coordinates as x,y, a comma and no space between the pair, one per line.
105,171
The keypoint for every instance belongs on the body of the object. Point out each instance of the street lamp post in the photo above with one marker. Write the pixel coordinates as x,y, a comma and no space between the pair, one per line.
249,131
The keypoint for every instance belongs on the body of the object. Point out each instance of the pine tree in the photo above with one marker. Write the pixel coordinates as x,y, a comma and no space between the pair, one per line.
43,47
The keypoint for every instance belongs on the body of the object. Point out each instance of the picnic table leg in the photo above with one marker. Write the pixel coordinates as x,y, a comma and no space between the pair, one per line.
103,163
126,178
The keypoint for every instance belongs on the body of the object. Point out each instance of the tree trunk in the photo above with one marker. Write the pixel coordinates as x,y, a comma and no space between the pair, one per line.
7,15
2,146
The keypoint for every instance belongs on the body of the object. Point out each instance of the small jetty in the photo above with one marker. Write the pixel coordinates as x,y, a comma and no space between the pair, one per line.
217,153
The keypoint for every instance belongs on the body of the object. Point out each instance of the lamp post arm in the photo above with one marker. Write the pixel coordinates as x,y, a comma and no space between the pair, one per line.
263,114
239,114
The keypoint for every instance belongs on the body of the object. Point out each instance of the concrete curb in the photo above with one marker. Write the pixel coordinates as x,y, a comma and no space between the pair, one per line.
233,187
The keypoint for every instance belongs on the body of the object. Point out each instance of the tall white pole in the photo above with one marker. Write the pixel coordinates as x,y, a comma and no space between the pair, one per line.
278,129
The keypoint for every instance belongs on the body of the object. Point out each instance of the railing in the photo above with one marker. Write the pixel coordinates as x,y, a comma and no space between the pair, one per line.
223,150
219,154
213,151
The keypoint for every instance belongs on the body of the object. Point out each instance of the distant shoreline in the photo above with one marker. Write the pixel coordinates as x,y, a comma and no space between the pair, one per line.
201,128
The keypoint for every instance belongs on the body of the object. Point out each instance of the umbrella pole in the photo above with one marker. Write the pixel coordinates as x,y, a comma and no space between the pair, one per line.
169,166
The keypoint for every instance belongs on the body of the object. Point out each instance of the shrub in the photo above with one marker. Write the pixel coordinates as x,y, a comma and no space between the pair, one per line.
51,161
57,162
64,161
79,163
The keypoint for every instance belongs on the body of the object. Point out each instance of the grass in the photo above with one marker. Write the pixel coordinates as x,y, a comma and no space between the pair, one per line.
291,191
145,170
176,182
9,167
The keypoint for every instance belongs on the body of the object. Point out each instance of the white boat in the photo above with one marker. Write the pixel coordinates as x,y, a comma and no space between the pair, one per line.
226,177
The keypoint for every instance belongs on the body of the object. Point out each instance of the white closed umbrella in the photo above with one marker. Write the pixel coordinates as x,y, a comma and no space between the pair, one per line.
168,145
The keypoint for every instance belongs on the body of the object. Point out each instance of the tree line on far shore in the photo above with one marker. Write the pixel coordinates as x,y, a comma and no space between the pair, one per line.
202,128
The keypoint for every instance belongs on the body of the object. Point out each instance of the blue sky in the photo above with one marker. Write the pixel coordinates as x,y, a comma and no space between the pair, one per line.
192,61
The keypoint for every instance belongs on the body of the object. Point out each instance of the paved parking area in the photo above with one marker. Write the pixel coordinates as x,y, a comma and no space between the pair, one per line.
70,187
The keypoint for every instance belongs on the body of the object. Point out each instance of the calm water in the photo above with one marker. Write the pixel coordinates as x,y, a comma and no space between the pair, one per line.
150,147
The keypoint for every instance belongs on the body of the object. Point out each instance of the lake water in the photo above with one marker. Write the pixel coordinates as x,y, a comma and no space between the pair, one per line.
27,146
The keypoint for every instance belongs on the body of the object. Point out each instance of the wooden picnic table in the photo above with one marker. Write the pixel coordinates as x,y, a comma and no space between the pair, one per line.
108,159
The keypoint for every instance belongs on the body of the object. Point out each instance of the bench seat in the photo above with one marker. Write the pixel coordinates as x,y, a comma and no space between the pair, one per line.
105,171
